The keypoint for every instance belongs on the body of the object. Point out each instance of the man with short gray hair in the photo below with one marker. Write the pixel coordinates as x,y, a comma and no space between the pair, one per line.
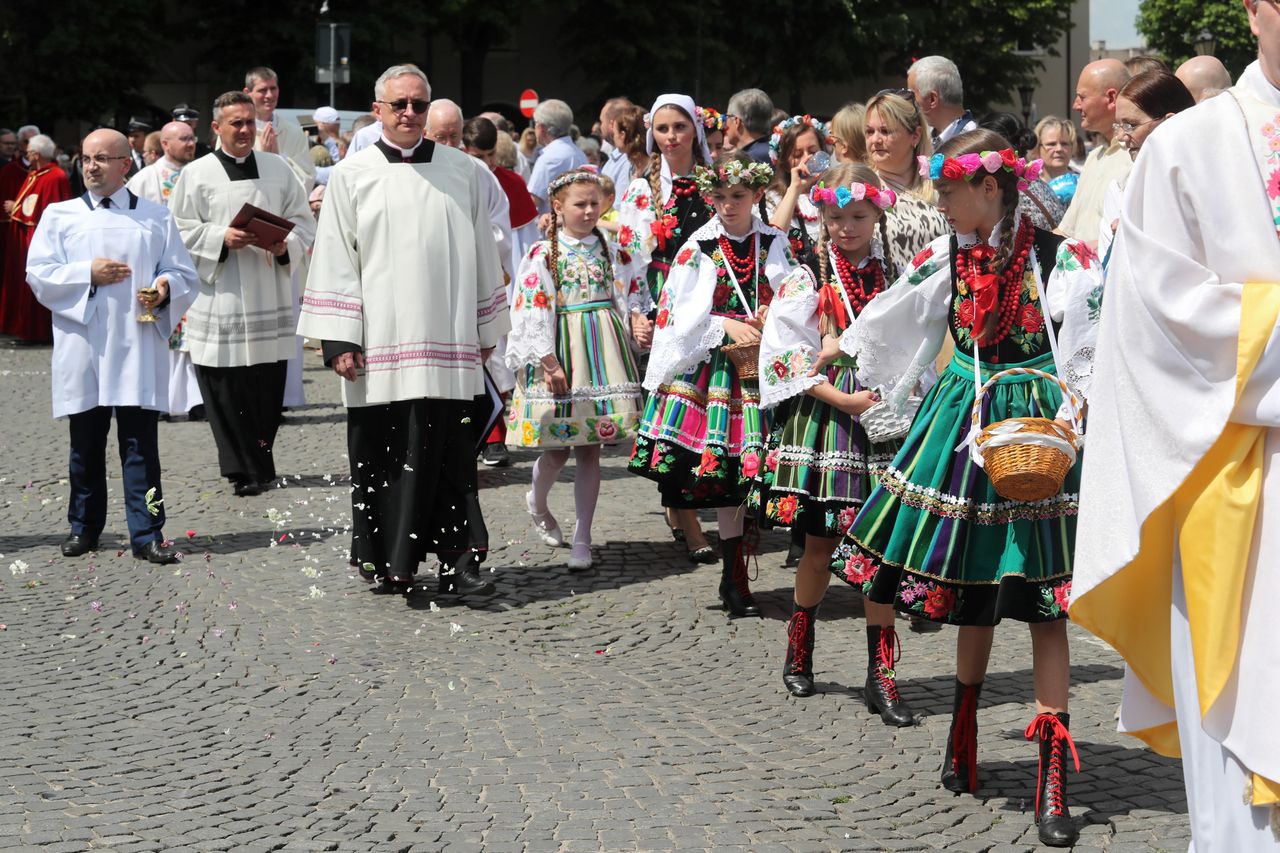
935,83
748,123
552,121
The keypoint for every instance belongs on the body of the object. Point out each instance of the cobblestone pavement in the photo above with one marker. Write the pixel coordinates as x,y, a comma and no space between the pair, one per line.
257,697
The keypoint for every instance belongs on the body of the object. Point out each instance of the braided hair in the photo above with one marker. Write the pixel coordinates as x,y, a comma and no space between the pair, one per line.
843,175
975,142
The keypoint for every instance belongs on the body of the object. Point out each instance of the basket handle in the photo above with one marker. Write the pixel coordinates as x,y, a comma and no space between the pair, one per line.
1073,402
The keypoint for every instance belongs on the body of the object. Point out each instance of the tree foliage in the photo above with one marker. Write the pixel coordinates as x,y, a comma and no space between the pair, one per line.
715,47
1171,26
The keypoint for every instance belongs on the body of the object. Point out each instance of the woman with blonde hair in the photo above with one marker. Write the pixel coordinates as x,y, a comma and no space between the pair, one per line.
1055,144
896,134
848,140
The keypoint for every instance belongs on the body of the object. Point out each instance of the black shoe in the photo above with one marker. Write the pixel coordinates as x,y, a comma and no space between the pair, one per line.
196,413
705,556
960,761
247,490
924,626
794,553
797,670
881,690
735,592
495,455
79,544
464,578
156,552
1056,828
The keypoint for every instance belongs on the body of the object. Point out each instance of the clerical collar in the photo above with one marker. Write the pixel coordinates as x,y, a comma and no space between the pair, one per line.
420,153
238,168
119,198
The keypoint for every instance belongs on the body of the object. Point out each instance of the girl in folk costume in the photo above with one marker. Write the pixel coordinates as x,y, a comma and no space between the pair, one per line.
659,212
823,466
787,205
934,538
702,435
577,382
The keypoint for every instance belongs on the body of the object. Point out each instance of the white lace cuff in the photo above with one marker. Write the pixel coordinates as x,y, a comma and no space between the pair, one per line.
785,374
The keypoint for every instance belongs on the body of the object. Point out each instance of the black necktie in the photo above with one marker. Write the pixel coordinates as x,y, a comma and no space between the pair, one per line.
106,202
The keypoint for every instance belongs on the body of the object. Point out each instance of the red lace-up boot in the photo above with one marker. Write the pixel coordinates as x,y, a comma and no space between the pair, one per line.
797,672
881,689
960,762
1052,815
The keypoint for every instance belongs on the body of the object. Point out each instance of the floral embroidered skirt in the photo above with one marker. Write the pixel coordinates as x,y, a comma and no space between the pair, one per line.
935,540
603,403
820,466
702,437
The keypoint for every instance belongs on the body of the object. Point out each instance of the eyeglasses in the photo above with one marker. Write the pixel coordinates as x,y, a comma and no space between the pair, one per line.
401,104
1127,128
901,93
101,160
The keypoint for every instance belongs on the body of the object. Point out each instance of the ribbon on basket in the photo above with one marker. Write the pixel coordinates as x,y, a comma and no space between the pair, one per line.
1015,435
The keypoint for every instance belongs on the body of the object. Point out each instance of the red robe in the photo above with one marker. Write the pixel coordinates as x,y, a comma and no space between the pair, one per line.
20,314
522,207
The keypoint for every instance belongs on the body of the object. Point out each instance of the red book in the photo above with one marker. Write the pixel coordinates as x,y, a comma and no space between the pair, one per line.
265,225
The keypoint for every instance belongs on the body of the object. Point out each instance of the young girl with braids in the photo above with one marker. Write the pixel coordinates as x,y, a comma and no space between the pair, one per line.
822,467
577,382
934,538
657,214
702,435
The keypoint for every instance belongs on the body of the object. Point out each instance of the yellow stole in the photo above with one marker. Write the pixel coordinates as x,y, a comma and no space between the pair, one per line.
1211,517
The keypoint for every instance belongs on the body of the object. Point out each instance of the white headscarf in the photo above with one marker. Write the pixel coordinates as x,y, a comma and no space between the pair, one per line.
684,103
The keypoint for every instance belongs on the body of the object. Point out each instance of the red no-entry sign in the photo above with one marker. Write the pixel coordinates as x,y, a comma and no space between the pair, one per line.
528,103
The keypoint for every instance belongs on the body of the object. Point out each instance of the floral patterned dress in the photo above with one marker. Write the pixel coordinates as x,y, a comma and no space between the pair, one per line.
702,436
651,231
934,538
584,320
820,465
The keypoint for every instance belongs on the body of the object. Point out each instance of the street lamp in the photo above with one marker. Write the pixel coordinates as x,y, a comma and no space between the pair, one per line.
1206,43
1026,93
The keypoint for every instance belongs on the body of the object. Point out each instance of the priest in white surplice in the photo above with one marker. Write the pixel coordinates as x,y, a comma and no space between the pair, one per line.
88,259
241,327
1178,548
406,293
285,137
156,183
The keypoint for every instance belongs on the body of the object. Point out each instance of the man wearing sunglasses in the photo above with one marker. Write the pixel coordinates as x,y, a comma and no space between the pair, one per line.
406,294
747,124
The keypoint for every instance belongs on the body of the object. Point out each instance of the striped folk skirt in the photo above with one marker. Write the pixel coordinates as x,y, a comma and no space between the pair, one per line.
934,538
702,437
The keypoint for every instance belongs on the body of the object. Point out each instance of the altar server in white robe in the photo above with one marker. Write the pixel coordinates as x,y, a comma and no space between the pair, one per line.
1178,549
156,183
89,257
407,295
241,329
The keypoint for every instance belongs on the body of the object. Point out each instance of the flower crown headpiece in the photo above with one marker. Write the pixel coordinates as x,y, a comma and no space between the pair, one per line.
712,119
733,174
577,176
843,196
775,141
966,166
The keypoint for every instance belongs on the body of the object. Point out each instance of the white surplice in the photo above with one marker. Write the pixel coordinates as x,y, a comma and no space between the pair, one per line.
245,311
156,183
102,355
1195,226
406,267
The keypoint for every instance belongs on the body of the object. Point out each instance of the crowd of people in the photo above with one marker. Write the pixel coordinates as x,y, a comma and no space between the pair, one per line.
883,333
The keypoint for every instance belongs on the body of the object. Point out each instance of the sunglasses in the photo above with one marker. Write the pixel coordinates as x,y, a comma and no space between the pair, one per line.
901,93
400,105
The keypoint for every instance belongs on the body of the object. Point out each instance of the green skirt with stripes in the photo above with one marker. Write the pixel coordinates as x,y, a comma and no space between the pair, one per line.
935,539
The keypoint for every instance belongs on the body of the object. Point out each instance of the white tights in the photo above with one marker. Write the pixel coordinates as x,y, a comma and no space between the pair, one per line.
586,485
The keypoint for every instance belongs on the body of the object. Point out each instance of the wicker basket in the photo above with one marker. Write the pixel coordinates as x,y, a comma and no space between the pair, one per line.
745,357
1020,471
883,424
